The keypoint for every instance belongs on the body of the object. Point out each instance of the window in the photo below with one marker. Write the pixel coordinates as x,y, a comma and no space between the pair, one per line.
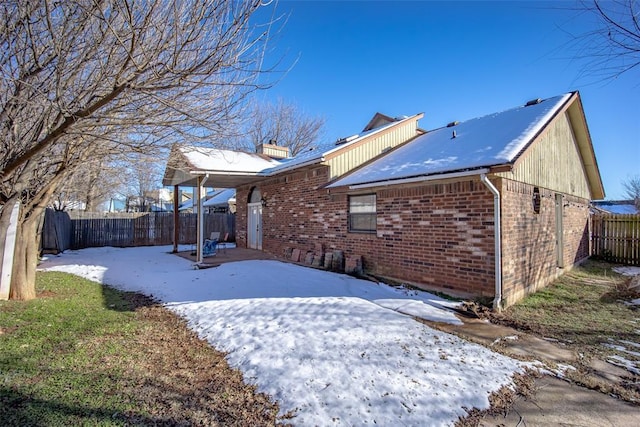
362,213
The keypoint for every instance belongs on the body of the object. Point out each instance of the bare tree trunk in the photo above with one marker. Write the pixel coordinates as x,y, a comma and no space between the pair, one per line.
89,201
25,259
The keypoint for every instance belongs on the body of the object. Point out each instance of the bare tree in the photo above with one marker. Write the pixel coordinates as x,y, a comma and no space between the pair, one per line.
90,185
613,46
283,124
143,174
81,80
632,189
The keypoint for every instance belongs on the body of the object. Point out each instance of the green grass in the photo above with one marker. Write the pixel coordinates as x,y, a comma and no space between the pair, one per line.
84,354
583,307
50,367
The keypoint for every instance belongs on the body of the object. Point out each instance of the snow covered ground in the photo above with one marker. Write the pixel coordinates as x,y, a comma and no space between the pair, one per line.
334,349
627,270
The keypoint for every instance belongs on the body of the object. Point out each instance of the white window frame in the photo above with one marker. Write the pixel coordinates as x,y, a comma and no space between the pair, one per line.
362,210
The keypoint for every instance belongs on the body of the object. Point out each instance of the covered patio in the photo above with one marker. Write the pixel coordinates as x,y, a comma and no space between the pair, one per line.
200,167
225,255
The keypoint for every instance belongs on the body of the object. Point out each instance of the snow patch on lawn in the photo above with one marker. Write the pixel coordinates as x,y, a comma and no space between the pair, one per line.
627,270
334,349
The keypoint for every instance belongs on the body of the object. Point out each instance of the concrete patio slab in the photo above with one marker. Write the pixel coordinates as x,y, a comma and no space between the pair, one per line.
225,255
559,403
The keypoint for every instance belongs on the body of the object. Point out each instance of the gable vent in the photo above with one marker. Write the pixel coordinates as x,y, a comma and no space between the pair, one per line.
533,102
452,124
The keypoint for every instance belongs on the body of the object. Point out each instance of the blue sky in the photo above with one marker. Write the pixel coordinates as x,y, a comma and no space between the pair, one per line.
453,61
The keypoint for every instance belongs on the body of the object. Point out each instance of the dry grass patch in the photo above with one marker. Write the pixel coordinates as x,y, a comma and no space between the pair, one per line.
503,400
585,310
84,354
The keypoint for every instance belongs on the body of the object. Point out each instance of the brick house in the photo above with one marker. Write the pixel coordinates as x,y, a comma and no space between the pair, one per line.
434,208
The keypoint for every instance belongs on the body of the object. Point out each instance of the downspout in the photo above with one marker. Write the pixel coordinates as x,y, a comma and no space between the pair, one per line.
200,241
497,301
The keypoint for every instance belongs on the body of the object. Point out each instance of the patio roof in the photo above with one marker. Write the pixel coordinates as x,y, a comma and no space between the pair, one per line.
225,168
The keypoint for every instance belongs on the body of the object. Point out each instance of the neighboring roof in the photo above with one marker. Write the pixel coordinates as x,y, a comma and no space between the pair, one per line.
317,154
227,168
219,197
378,120
162,207
492,140
188,204
617,206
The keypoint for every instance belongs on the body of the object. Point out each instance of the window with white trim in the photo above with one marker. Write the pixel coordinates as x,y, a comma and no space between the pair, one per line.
362,213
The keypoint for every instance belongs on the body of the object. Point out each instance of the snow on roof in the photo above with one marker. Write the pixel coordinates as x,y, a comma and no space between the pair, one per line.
490,140
317,154
213,159
221,198
618,206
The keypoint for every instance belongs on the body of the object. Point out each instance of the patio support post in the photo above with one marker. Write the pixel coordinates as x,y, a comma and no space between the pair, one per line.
200,192
199,233
176,219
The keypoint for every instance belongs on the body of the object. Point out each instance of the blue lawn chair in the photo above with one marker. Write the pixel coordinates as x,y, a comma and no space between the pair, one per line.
210,246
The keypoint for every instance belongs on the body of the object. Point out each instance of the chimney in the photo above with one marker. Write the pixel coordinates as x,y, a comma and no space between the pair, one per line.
274,151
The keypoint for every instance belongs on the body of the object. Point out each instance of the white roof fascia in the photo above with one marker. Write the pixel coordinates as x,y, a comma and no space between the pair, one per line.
296,166
419,179
215,172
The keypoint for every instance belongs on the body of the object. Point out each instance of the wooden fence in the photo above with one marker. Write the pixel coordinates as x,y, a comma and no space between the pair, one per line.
616,238
84,230
56,231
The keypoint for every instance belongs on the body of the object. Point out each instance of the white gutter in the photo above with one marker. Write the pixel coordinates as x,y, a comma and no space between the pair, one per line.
225,173
270,171
417,179
287,167
497,301
199,257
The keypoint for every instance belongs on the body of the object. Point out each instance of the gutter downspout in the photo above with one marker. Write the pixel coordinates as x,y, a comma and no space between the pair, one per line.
497,301
200,220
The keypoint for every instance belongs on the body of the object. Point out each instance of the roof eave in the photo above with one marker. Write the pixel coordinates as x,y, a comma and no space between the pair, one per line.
269,172
562,108
417,179
585,145
573,107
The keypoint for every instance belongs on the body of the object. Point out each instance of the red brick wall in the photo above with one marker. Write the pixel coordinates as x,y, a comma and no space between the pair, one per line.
529,250
297,213
438,235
